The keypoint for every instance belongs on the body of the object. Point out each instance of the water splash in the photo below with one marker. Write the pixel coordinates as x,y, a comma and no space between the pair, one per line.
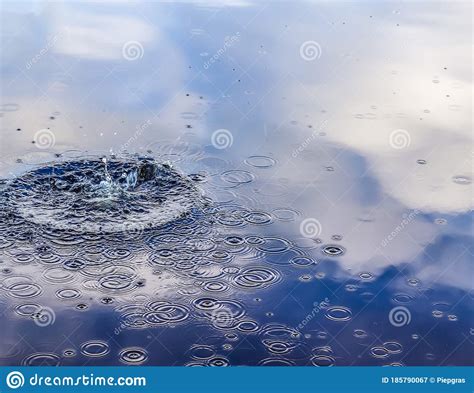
102,196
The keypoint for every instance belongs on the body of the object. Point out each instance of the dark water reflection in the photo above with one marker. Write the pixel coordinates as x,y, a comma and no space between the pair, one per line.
313,202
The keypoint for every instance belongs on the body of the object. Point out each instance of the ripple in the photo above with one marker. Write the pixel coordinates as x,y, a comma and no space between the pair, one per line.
333,250
199,245
227,314
202,352
58,275
74,264
254,240
258,218
69,353
441,221
462,180
402,298
231,270
237,177
42,359
9,107
49,257
323,361
82,307
279,347
231,336
367,276
21,287
68,293
116,282
359,333
28,309
133,320
5,243
260,161
117,253
279,332
24,258
206,303
285,214
351,287
302,261
234,240
95,348
218,362
133,355
274,361
216,286
165,313
414,282
274,245
338,313
393,347
256,277
379,352
248,326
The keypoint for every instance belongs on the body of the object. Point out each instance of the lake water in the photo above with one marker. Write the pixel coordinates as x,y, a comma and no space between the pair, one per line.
248,184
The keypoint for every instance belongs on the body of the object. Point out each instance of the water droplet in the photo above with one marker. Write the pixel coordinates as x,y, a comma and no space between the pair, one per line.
462,180
133,355
333,250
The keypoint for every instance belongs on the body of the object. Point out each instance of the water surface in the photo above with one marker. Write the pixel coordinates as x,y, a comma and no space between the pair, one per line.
248,184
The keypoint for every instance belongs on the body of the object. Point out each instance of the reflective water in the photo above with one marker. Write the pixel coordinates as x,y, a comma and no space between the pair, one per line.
249,184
